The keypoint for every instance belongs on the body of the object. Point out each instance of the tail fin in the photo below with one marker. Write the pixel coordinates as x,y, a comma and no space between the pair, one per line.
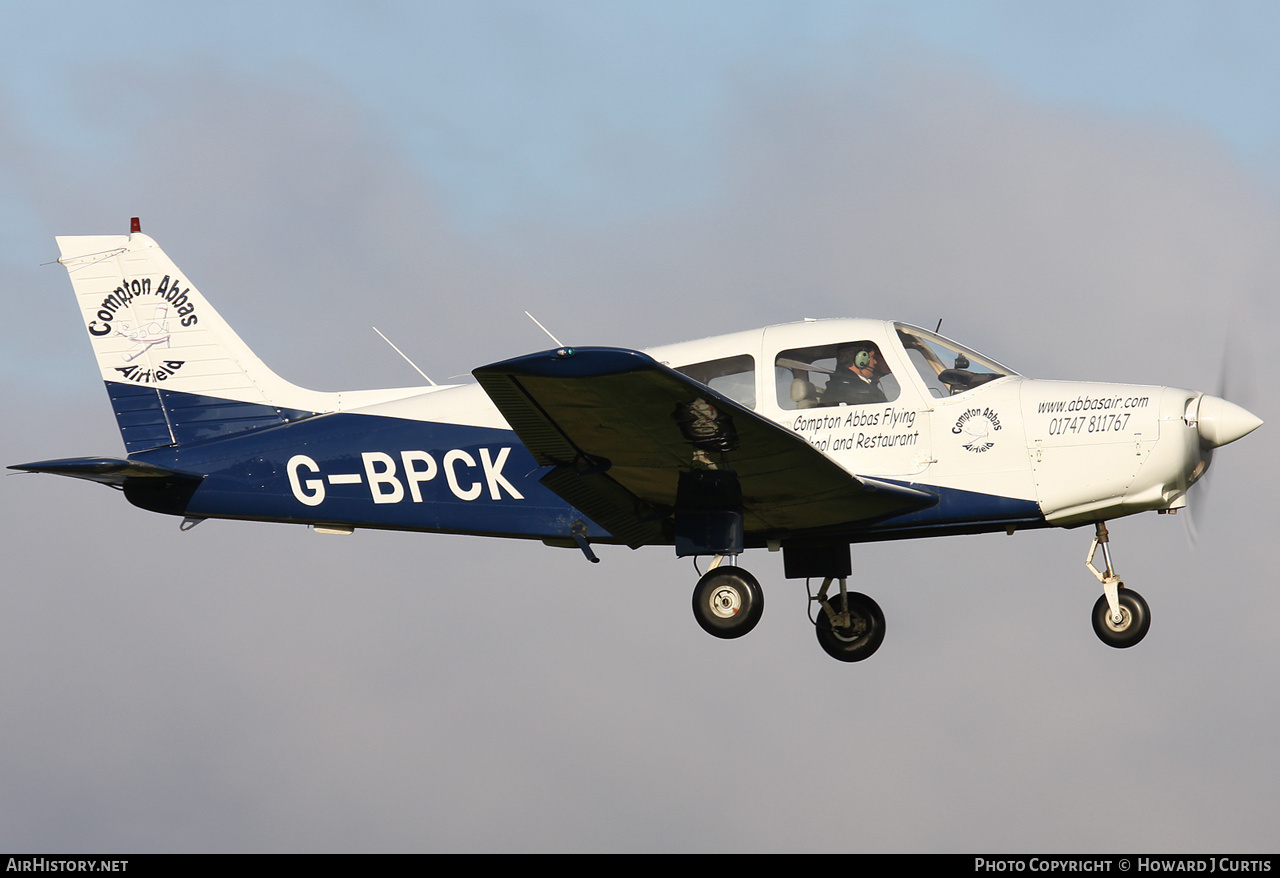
176,372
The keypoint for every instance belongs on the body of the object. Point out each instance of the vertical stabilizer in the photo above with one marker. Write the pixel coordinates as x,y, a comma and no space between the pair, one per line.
176,372
151,327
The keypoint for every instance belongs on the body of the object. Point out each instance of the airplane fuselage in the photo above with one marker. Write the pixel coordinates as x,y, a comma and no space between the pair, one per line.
1009,453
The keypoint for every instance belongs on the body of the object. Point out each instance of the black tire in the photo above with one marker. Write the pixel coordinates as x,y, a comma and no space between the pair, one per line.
1137,619
855,643
728,602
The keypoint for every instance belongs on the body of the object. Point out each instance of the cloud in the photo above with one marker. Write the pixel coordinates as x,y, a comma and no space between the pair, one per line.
931,192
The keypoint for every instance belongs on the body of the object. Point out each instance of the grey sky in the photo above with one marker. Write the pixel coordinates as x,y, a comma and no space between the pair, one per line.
1082,191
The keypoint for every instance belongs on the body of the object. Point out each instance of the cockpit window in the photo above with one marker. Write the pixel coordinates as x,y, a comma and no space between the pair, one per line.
946,367
734,377
848,373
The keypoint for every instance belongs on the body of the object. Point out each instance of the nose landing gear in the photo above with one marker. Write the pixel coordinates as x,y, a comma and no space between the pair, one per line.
1121,616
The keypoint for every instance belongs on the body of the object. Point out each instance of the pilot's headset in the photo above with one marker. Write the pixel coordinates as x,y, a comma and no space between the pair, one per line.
853,356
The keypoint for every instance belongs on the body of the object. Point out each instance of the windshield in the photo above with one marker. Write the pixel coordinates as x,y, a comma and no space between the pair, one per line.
947,368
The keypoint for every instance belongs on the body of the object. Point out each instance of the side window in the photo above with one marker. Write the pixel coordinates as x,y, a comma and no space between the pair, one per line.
848,373
734,377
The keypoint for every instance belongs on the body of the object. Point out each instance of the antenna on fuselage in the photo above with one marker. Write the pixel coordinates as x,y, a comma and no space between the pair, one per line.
558,342
938,327
406,359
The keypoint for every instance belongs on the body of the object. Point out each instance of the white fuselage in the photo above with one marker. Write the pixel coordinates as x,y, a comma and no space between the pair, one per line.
1081,451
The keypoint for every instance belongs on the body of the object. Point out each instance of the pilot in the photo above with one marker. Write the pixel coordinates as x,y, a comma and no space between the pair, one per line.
856,381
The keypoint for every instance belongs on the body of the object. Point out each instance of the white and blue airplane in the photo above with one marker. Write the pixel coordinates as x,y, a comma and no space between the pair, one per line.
805,438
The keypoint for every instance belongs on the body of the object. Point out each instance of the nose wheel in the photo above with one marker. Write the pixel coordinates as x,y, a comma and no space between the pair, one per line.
1130,628
1121,616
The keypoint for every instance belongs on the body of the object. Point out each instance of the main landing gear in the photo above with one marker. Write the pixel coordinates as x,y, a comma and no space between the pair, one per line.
728,602
1121,616
850,625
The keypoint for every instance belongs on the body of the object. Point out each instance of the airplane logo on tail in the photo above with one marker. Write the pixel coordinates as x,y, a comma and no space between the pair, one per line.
148,335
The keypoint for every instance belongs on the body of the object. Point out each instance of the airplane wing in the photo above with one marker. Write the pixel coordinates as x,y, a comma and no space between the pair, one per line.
623,433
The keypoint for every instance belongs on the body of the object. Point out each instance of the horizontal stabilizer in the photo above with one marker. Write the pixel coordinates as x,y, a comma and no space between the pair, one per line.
106,470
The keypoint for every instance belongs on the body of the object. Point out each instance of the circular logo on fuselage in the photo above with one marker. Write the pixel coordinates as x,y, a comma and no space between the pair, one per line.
977,427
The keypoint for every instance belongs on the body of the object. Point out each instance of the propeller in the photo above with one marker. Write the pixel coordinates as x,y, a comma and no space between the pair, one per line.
1220,422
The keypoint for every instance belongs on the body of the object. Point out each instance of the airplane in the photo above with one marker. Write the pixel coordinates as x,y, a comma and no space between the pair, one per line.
803,438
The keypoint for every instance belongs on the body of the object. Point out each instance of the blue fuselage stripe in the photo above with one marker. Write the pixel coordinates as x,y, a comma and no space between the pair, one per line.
376,472
395,473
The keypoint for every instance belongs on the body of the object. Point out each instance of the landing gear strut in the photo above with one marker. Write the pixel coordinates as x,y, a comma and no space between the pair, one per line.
1121,616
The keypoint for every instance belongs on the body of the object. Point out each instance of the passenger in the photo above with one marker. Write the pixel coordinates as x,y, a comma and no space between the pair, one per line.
856,380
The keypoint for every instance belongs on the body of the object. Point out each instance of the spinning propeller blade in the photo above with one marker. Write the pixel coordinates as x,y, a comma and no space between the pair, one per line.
1220,422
